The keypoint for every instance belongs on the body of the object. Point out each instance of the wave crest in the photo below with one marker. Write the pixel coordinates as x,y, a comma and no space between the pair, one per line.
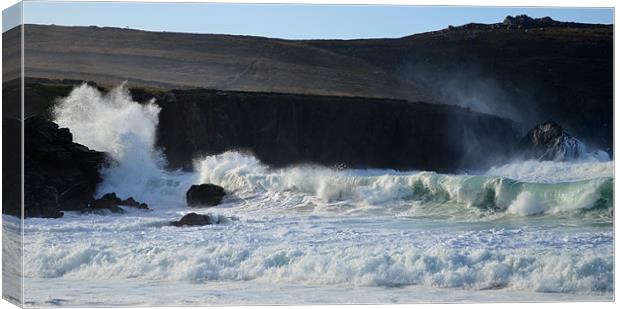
244,175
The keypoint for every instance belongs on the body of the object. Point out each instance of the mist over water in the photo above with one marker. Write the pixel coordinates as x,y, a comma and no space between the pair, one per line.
474,88
526,226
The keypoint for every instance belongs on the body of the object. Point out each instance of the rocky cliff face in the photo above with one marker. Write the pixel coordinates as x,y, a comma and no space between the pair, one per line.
283,129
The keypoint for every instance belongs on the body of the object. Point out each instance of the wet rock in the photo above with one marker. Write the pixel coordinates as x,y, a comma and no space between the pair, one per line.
58,173
130,202
104,204
45,203
112,202
194,219
204,195
549,141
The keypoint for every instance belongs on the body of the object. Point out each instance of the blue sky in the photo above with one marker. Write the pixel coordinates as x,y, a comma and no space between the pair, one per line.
288,21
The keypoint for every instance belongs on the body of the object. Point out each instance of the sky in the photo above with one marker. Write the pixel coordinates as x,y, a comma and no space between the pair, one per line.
287,21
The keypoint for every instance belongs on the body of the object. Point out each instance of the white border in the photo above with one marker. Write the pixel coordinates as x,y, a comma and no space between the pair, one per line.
520,3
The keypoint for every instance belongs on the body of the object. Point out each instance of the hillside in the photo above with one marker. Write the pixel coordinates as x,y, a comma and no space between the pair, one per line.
173,60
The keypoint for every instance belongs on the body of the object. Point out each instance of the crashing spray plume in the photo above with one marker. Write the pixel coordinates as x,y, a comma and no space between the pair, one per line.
126,130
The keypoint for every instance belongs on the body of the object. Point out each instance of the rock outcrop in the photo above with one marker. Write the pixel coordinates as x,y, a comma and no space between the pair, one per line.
59,174
204,195
526,22
194,219
520,22
548,141
111,202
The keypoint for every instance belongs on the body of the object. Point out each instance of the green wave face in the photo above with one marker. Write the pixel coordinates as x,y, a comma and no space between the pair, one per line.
498,195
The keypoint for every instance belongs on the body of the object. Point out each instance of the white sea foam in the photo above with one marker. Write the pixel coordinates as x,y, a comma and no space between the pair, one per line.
330,252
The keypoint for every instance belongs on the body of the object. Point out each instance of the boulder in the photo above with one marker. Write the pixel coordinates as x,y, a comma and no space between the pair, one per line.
194,219
112,202
549,141
204,195
58,173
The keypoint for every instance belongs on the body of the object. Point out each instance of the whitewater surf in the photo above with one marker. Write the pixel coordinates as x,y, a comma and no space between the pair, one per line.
523,231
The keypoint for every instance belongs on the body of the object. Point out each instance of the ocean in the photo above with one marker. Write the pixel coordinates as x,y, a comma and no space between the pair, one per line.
524,231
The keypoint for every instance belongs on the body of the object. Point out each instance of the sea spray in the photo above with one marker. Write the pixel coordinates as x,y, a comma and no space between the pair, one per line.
114,123
110,122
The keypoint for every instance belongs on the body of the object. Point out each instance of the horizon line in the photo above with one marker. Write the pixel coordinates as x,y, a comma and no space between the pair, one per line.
286,39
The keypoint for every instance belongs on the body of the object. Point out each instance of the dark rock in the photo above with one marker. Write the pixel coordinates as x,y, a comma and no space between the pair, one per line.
11,160
75,196
111,202
58,173
288,129
526,22
204,195
104,203
130,202
194,219
548,141
46,202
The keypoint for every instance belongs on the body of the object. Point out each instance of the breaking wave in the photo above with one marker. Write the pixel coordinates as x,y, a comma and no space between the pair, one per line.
245,175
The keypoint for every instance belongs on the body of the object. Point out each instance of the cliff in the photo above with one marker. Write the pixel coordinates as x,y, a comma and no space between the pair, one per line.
286,129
